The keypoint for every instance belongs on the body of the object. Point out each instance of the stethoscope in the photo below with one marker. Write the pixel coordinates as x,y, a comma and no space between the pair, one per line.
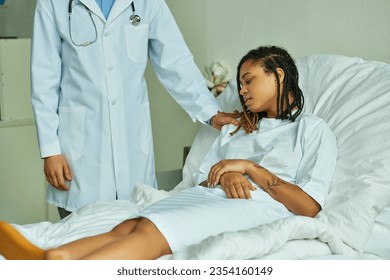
134,20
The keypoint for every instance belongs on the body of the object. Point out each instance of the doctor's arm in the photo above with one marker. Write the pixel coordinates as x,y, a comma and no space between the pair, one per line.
45,90
175,67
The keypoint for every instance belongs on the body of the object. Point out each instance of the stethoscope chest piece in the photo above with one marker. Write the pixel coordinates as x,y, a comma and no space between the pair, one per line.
135,19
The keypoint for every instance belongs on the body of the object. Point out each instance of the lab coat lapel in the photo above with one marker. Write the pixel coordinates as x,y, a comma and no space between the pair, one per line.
94,7
118,7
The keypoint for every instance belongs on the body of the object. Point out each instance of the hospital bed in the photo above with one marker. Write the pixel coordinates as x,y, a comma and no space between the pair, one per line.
353,96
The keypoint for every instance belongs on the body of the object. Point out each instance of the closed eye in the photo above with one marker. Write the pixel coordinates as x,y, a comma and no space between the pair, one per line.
248,81
246,78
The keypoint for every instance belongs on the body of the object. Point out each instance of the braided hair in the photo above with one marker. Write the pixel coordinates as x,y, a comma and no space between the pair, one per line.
270,58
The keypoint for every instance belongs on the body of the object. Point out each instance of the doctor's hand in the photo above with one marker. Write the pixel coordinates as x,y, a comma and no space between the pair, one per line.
57,170
236,185
222,118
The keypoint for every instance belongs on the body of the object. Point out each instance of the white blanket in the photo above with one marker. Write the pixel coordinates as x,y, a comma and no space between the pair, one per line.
255,243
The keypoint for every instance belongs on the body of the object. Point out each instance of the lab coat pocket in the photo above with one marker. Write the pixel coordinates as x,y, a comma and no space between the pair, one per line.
137,42
146,132
71,131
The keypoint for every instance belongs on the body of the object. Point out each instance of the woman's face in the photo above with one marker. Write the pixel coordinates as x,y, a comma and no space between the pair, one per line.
258,88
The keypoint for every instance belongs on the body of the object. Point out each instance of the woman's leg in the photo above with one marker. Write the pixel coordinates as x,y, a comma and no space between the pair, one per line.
82,247
144,242
14,246
132,239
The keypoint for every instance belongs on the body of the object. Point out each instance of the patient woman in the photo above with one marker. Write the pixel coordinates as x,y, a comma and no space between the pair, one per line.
279,162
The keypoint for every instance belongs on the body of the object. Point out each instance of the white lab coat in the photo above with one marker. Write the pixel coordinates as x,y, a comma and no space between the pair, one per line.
91,103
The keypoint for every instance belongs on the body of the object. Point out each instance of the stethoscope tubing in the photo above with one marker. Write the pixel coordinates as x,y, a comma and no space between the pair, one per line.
134,19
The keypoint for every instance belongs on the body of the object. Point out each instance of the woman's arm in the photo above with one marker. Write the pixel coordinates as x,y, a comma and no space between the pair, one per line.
290,195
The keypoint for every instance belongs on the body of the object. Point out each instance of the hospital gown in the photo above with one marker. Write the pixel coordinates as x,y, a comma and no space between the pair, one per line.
303,153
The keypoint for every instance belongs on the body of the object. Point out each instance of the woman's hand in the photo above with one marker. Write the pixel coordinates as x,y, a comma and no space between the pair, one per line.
57,170
236,185
225,166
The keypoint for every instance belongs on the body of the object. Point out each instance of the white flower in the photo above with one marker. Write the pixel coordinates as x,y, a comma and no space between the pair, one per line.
217,77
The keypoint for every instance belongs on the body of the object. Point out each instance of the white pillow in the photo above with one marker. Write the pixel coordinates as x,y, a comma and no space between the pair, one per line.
353,96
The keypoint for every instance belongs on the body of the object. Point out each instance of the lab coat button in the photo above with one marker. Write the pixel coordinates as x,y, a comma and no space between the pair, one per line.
110,68
113,103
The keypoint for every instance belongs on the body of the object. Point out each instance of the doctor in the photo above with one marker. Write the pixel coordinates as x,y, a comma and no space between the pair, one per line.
90,98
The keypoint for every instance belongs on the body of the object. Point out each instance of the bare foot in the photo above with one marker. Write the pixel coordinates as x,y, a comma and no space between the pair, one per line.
14,246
